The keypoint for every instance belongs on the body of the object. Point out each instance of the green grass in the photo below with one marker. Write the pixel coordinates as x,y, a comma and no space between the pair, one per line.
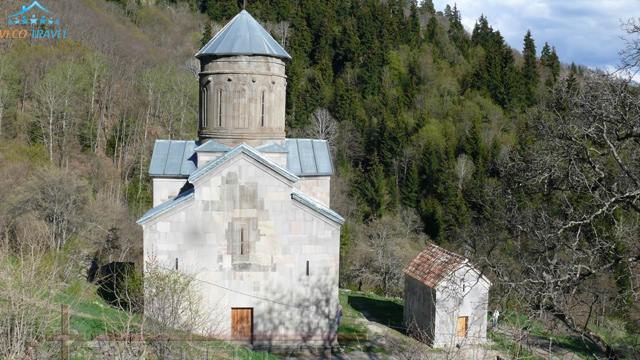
383,310
567,342
90,316
505,344
357,308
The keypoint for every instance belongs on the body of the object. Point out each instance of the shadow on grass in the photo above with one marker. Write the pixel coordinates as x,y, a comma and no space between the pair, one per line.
385,312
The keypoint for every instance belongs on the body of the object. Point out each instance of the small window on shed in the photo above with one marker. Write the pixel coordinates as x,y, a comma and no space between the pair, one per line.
176,263
307,271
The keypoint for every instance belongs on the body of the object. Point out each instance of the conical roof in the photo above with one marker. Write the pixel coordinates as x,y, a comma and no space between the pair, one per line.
243,35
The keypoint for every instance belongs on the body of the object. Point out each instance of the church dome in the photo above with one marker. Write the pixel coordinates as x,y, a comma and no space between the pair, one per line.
243,35
243,85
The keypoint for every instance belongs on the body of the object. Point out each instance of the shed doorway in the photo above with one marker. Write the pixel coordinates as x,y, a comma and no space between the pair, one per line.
463,326
242,324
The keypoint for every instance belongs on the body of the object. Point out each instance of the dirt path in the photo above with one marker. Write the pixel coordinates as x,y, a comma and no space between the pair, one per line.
401,347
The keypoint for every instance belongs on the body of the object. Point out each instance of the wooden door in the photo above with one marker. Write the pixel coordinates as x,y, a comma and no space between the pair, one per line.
242,324
463,326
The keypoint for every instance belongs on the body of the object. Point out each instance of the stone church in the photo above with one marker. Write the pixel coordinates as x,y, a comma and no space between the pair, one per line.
244,209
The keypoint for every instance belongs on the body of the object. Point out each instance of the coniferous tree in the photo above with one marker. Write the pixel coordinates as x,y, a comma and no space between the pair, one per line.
206,34
411,187
221,10
545,54
448,12
481,35
373,192
431,32
456,30
554,64
414,24
427,6
530,70
572,78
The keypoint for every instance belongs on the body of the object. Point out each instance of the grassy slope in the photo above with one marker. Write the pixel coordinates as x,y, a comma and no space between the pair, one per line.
91,317
358,306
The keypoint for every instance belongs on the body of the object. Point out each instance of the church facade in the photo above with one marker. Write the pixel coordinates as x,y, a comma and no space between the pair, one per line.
244,209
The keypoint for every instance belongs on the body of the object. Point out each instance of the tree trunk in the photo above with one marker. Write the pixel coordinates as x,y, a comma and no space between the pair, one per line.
585,333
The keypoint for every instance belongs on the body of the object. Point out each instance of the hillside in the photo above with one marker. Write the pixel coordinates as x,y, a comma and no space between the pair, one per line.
500,154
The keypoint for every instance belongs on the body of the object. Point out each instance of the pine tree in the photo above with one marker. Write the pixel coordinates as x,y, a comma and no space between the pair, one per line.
530,70
432,216
554,64
448,12
410,187
482,32
427,6
413,32
549,59
221,10
431,33
545,55
206,34
572,78
373,192
456,31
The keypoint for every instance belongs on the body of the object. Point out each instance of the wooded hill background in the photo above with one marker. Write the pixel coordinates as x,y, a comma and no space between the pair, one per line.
436,134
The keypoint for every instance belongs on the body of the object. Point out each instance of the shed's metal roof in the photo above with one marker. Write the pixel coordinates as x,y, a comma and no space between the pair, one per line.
177,158
243,35
307,157
173,158
316,206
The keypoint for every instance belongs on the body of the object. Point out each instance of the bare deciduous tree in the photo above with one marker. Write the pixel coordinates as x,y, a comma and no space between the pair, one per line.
384,246
576,239
323,126
464,170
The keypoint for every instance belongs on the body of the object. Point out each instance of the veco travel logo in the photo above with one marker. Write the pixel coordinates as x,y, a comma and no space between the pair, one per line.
33,21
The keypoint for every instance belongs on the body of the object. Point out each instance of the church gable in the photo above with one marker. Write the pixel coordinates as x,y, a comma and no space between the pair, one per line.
251,153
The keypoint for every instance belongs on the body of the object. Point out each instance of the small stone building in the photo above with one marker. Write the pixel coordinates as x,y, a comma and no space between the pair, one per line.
445,299
244,209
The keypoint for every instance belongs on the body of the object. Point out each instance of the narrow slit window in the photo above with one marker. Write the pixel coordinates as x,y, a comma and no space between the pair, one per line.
176,263
219,107
307,267
203,101
243,250
262,111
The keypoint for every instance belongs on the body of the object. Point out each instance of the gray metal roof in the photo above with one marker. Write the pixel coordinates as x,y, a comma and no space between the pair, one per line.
173,158
308,157
177,158
212,146
242,149
316,206
272,148
166,206
243,35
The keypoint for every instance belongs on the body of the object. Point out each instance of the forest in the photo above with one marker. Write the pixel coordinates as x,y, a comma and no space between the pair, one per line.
526,165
